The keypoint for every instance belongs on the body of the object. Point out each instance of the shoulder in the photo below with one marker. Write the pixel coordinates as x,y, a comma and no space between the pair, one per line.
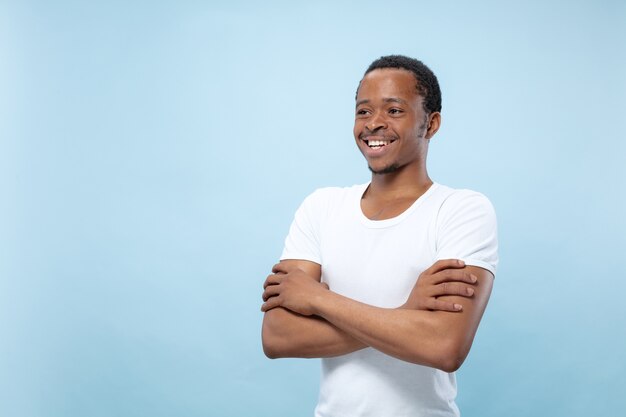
466,228
465,211
331,196
457,201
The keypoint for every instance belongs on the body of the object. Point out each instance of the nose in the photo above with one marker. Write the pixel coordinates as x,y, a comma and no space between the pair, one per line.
377,122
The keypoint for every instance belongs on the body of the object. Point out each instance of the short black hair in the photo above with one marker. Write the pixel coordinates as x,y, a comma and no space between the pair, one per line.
427,84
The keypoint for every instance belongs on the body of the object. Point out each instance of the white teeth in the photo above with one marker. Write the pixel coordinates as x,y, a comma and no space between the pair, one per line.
378,142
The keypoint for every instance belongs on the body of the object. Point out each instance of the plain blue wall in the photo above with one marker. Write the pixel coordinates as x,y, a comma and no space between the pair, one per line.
152,155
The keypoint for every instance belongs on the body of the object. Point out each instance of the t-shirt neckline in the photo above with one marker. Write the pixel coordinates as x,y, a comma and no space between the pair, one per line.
380,224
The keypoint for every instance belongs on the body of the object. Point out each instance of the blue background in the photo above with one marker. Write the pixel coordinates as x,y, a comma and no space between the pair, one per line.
152,155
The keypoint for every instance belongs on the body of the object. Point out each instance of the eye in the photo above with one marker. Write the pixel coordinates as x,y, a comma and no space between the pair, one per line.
362,112
395,111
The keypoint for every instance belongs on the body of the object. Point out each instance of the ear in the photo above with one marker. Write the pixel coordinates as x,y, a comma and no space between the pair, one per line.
434,121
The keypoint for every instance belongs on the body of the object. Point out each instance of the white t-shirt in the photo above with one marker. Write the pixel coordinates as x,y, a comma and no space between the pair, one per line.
378,263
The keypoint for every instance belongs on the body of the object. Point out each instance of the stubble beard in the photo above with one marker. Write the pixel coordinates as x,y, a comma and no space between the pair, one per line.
390,169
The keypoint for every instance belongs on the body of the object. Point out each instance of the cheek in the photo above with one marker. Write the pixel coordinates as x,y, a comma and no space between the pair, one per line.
356,130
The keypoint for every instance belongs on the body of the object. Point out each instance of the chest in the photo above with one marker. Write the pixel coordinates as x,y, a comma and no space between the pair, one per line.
377,266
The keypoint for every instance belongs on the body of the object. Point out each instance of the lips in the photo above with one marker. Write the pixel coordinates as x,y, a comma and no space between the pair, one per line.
377,142
376,145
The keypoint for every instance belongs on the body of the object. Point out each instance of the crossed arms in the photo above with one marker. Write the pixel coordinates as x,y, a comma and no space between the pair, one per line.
435,327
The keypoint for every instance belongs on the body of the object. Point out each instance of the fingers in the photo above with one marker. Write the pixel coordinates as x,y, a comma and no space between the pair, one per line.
454,275
271,303
440,305
272,279
452,288
442,264
281,268
271,291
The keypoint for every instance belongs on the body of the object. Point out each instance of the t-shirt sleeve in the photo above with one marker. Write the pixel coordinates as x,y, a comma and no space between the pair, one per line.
303,240
467,230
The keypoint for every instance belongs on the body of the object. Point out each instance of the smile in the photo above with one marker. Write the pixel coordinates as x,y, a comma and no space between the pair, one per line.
376,144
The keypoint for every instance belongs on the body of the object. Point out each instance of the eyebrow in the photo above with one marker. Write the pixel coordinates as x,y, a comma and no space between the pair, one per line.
386,100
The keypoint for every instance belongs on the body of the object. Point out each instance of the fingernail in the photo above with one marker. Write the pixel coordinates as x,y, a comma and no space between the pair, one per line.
470,291
474,278
461,263
458,307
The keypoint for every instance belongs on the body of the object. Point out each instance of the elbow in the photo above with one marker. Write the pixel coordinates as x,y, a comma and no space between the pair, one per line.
270,351
452,357
271,348
451,364
273,340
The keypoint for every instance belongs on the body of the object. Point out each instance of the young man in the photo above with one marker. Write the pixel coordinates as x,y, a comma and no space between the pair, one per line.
386,281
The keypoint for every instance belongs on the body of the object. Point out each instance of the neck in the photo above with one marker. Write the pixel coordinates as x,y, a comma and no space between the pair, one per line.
406,182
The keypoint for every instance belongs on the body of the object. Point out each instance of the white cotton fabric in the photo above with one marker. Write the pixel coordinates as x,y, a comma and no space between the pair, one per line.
378,263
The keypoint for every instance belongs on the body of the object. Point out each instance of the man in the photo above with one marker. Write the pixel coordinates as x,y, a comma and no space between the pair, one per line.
346,289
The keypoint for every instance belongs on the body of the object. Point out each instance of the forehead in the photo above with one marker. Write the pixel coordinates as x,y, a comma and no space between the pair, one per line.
388,82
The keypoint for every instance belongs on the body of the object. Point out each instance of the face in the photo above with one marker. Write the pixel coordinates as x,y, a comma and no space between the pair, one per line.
391,127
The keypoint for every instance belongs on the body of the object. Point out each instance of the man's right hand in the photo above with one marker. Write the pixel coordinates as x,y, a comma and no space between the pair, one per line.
444,277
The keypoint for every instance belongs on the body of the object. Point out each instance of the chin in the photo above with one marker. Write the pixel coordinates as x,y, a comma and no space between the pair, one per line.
389,169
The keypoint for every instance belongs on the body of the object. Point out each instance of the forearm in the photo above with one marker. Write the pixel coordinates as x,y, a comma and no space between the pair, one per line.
287,334
411,335
329,324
